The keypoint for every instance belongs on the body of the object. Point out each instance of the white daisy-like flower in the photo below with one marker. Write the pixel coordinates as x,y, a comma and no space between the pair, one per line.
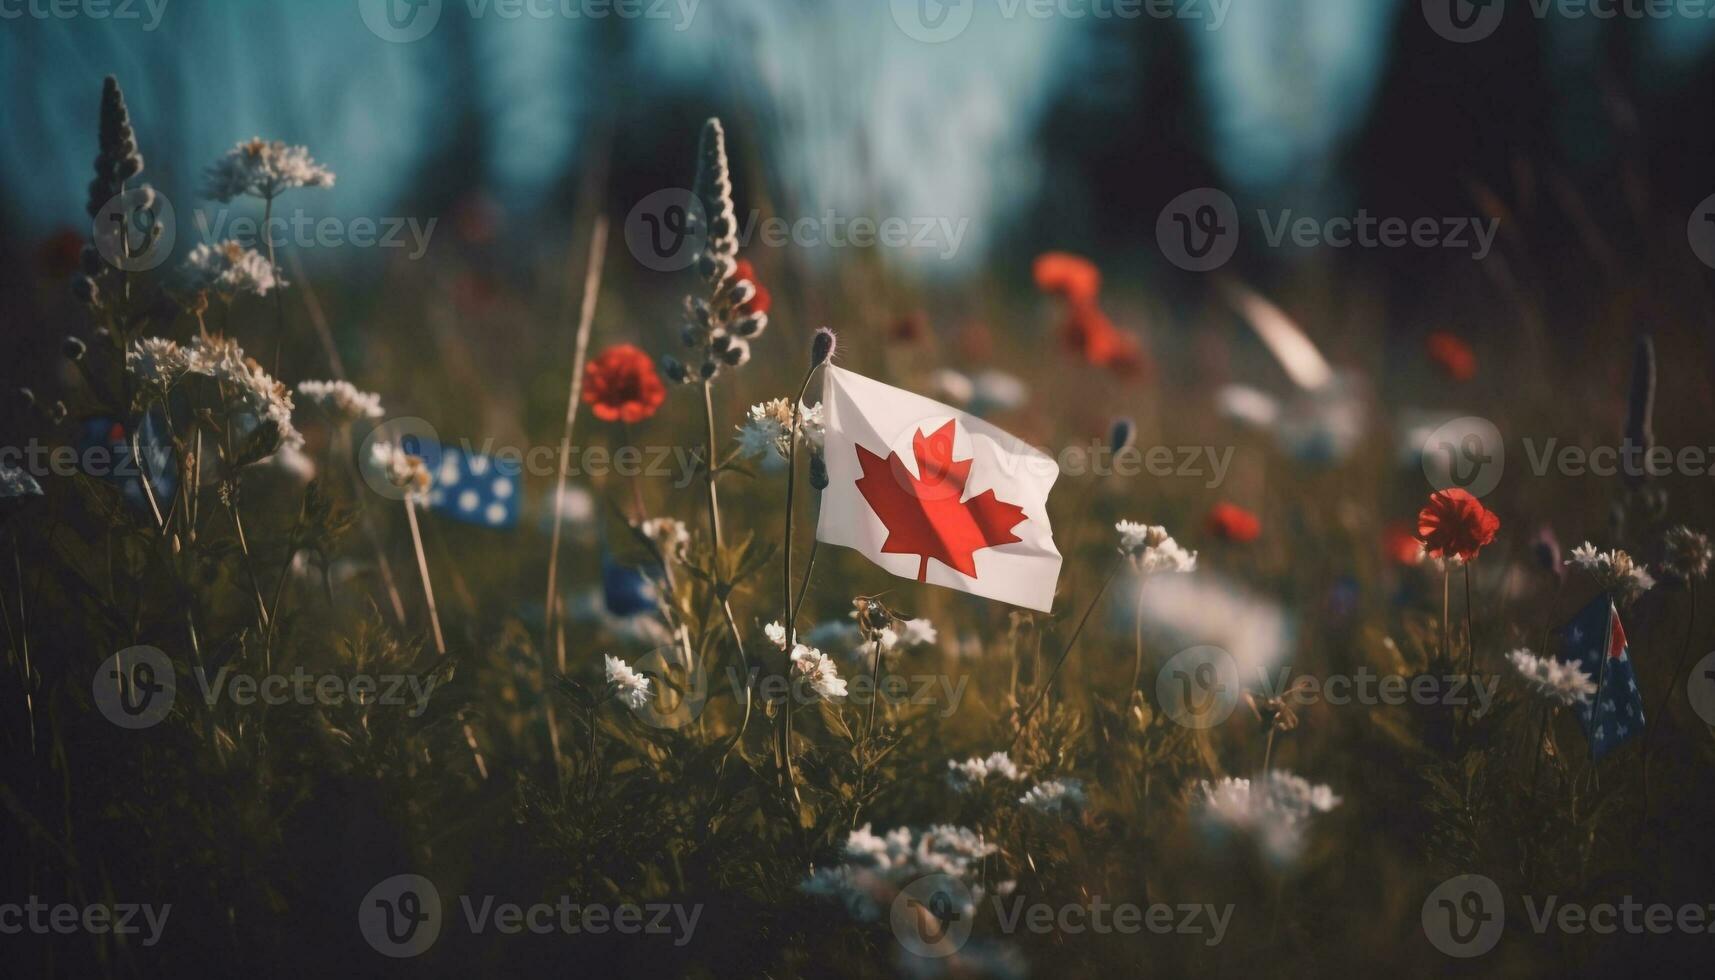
876,868
817,670
263,169
1556,680
1615,571
1057,797
341,400
768,430
974,772
158,363
400,468
776,634
1151,549
669,535
1275,810
14,482
230,269
628,685
250,391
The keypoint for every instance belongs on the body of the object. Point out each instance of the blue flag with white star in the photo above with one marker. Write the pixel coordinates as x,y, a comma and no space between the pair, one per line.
472,487
1596,641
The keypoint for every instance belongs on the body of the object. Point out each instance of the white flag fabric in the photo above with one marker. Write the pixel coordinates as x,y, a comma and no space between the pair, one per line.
931,493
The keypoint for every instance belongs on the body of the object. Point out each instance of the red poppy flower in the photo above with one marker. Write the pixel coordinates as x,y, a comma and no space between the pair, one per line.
621,385
1088,333
1456,523
1071,277
1453,356
763,301
1233,523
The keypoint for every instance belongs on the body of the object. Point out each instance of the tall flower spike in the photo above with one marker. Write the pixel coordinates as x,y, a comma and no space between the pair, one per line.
117,159
714,192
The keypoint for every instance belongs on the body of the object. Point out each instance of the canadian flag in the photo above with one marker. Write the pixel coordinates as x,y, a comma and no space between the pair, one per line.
931,493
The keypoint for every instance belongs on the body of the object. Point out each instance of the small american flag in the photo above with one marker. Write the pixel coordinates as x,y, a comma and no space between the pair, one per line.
472,487
1597,642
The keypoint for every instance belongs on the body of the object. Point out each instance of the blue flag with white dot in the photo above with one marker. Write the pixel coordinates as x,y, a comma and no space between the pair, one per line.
474,488
1596,641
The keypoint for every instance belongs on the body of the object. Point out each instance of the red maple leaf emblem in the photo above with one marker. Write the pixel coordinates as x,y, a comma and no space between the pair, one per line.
925,514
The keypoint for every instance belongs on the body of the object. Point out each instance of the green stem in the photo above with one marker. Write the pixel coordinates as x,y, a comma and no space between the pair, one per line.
1048,682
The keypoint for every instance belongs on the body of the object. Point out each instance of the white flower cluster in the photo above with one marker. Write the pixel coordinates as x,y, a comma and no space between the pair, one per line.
628,685
1556,680
847,637
972,773
263,168
669,535
1274,810
817,670
250,391
400,468
230,269
158,363
1151,549
341,400
875,868
768,430
1057,798
1614,571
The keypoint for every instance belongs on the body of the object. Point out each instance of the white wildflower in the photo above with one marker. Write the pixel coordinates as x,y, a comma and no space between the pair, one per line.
669,535
817,670
1057,797
1615,571
158,363
1556,680
628,685
917,633
341,400
230,269
1274,810
974,772
877,868
776,634
400,468
263,169
1151,549
250,392
768,430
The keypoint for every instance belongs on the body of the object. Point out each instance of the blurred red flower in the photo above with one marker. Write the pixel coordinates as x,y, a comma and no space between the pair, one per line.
1233,523
60,255
763,301
1453,356
621,385
1088,333
1400,545
1456,523
1071,277
908,328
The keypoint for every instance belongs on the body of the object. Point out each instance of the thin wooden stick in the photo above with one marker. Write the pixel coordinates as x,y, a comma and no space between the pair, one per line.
423,570
574,395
